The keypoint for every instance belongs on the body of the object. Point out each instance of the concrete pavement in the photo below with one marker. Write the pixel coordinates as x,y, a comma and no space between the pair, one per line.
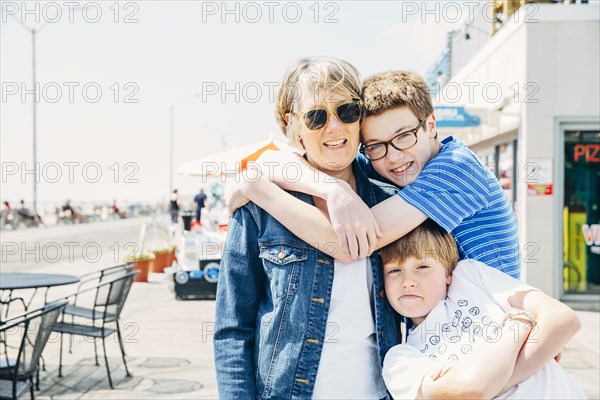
169,342
170,355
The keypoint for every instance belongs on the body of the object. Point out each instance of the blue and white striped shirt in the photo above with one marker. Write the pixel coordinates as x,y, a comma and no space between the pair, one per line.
461,195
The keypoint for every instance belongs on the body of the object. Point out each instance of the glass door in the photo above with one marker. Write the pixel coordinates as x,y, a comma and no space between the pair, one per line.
581,212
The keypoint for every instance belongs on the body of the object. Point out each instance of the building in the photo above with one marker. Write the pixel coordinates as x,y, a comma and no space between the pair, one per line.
525,96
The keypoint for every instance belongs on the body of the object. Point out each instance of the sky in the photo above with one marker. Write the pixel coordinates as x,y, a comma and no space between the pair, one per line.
109,72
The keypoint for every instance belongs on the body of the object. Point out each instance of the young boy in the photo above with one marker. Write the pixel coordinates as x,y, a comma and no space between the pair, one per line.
475,330
443,181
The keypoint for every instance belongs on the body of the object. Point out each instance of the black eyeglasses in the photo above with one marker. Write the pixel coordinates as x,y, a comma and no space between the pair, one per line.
347,113
401,141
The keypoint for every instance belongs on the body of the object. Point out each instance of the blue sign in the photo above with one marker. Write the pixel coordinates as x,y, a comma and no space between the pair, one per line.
454,117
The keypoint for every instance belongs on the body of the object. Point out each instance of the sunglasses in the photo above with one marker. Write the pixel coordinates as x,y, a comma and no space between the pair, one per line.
347,113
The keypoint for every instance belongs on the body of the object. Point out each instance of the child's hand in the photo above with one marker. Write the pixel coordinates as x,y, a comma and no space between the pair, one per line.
353,222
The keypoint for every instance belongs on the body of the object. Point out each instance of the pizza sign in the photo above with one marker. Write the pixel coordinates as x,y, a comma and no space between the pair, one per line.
586,152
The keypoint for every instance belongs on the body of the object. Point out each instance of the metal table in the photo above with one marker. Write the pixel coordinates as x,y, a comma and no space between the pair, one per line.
12,281
17,280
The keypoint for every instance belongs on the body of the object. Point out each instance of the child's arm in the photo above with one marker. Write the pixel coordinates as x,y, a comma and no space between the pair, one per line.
556,325
351,219
353,230
289,211
481,374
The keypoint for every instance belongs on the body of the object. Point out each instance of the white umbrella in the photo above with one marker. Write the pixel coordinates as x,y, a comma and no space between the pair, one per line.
230,162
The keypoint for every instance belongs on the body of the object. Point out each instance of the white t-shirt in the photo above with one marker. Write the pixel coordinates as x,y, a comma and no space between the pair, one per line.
476,303
349,367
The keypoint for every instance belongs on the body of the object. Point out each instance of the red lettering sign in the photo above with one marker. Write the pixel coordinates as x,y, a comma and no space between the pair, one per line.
589,151
591,234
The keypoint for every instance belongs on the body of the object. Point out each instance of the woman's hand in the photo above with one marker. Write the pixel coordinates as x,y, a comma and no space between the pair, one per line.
354,224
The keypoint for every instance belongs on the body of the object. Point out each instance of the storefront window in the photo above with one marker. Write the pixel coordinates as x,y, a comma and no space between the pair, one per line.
506,168
581,213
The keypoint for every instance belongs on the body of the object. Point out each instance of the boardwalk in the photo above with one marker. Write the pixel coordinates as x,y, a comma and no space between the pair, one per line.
169,342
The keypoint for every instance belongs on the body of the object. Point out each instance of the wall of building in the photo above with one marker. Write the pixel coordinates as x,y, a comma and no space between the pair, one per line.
545,62
563,60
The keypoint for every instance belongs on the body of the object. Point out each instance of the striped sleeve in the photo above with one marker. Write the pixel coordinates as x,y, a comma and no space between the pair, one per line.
453,186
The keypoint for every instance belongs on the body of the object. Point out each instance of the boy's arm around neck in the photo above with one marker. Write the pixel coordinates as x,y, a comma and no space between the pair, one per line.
556,325
347,228
481,374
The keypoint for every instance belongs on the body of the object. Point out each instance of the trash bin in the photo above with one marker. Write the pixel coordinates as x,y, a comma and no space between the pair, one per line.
187,216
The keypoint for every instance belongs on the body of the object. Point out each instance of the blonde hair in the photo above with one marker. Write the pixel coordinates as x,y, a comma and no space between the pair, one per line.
388,90
426,240
314,75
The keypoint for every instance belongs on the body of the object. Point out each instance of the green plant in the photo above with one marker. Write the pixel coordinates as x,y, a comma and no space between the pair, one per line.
141,257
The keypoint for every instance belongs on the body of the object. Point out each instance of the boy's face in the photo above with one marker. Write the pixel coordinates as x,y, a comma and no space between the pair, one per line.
415,287
400,166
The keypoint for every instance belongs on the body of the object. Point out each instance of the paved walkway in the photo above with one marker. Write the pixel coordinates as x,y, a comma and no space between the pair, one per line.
169,342
169,352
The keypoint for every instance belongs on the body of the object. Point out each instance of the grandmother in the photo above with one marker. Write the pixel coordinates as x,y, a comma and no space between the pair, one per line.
292,322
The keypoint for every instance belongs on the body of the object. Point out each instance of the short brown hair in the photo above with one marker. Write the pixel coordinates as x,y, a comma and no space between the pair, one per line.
387,90
306,75
426,240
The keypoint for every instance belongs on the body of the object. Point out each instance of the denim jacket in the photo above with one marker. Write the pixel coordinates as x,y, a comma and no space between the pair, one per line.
273,298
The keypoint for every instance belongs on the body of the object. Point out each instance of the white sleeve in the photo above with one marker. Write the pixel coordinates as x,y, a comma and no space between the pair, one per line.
403,370
495,283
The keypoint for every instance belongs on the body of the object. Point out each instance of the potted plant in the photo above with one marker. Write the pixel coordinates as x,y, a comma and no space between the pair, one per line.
172,255
143,264
162,259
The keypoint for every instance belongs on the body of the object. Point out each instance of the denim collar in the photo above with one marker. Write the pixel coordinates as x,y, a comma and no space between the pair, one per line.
364,188
364,185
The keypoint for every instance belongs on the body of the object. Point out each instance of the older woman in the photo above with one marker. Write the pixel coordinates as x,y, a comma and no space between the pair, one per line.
292,322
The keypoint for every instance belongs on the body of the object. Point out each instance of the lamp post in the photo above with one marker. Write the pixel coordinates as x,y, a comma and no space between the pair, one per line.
172,138
35,212
171,150
33,32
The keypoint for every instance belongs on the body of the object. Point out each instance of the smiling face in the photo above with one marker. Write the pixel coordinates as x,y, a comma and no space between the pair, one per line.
333,147
401,166
415,286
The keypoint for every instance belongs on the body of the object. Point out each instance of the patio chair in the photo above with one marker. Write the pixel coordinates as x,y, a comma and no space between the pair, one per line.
91,280
6,305
35,327
109,300
102,275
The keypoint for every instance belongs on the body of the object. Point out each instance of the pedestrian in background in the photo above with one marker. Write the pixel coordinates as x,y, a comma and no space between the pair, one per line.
200,200
174,206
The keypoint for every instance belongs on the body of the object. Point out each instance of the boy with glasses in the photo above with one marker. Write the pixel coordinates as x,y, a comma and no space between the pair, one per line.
443,181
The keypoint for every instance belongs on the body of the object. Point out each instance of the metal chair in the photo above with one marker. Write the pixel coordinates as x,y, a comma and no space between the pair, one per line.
6,305
36,328
109,300
91,280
